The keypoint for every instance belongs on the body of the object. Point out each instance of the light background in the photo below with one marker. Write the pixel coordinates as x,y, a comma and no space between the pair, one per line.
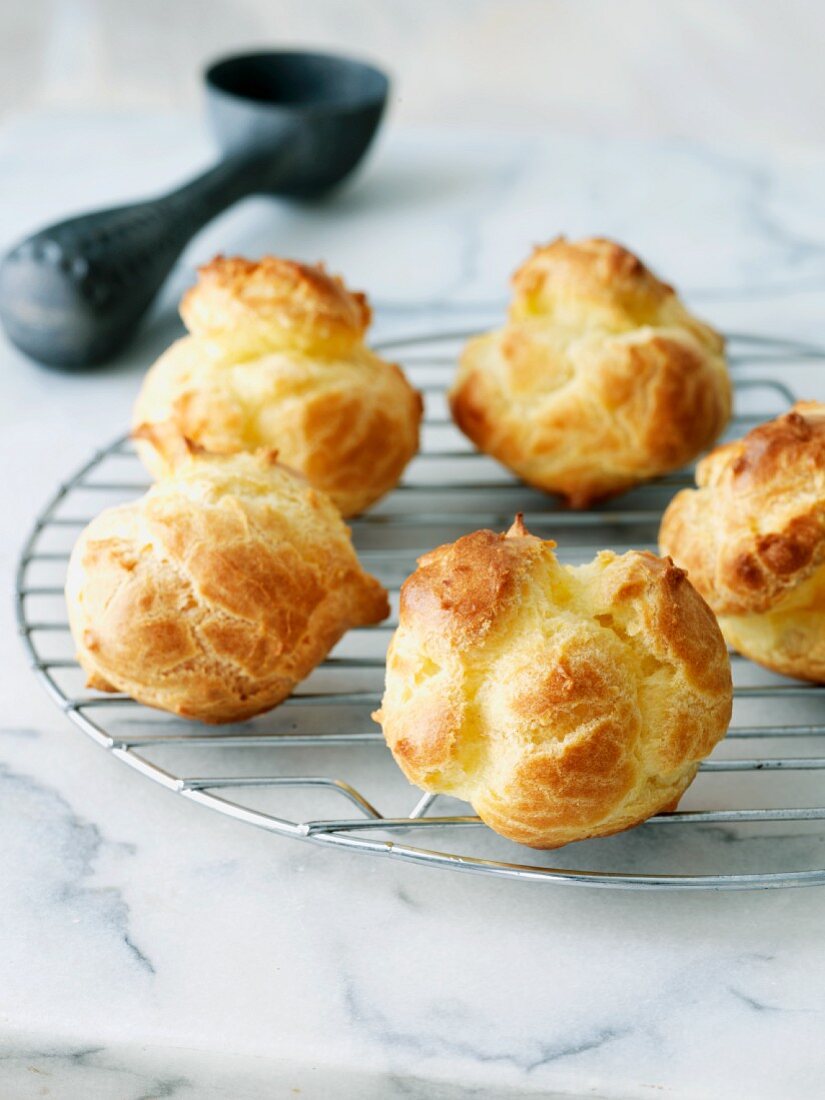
716,70
260,946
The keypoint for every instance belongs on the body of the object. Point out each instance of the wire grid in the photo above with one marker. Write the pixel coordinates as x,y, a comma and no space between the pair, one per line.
317,769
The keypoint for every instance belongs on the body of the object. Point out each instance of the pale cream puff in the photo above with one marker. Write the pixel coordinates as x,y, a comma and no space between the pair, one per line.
561,702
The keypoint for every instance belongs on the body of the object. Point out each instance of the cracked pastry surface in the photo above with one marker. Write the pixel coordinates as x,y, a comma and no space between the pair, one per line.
214,594
752,538
561,702
600,379
275,358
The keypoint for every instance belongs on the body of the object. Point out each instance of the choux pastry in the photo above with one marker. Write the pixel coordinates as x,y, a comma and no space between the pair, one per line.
752,538
561,702
600,379
214,594
275,358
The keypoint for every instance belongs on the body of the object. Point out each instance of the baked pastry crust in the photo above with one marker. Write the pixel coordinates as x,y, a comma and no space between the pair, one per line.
214,594
561,702
752,538
600,379
275,358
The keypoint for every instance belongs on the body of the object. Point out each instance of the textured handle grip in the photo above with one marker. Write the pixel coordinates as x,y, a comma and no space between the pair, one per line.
73,294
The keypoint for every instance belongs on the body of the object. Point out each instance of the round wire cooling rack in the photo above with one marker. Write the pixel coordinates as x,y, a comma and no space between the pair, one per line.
316,768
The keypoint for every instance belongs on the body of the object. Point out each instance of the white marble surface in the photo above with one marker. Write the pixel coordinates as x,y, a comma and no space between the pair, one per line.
149,948
692,68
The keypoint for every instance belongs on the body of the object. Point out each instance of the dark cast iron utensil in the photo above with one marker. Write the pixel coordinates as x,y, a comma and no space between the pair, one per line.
288,123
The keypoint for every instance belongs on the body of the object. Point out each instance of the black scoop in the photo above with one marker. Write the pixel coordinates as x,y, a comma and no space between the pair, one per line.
291,124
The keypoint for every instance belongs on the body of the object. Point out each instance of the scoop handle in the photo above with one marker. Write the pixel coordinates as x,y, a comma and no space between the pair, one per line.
73,294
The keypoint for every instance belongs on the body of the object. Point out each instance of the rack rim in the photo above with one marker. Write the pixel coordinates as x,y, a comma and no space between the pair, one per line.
348,834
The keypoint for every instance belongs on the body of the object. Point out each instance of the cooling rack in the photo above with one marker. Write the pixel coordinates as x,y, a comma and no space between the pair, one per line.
316,768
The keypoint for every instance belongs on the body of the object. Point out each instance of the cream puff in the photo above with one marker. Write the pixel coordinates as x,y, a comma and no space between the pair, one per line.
752,538
214,594
275,358
600,379
561,702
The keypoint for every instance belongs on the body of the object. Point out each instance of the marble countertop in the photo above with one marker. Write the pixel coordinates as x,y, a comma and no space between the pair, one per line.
149,948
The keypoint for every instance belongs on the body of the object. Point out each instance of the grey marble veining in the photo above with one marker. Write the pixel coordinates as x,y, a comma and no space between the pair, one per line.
149,948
